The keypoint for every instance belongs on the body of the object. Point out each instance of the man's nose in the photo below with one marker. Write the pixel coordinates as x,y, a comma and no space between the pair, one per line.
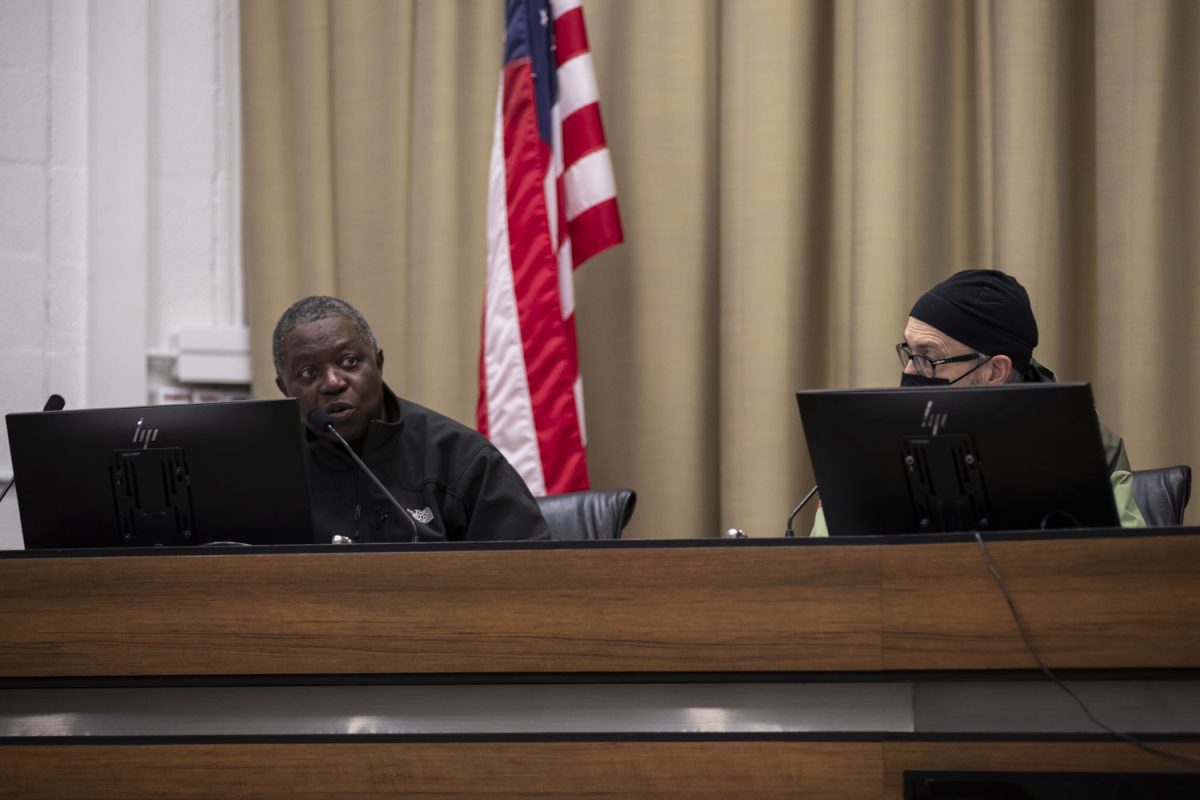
910,368
332,380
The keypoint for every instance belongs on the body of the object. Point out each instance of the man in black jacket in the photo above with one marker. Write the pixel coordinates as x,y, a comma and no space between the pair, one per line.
452,482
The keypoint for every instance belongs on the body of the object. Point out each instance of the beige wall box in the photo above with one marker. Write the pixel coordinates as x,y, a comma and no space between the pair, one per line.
213,355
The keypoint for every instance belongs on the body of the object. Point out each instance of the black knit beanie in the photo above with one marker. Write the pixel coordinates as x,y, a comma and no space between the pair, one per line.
985,309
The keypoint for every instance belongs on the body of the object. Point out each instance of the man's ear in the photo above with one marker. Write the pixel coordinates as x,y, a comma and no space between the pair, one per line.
379,360
999,369
279,383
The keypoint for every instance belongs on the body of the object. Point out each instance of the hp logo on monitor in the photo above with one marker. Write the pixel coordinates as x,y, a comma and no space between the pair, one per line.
144,436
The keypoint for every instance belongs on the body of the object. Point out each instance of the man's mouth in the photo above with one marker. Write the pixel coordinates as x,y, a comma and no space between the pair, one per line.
339,411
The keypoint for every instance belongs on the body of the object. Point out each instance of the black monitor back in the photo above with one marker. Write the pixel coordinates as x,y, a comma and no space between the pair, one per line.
924,460
162,475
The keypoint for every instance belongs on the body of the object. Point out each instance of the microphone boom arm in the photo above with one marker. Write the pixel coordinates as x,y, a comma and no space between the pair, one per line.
321,421
789,533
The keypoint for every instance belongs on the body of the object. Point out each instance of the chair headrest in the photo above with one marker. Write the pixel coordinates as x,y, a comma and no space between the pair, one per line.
590,514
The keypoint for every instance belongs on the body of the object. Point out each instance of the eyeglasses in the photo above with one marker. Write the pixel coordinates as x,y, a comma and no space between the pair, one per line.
925,364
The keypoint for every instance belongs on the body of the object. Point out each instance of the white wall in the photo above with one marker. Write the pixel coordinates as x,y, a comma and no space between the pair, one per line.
119,197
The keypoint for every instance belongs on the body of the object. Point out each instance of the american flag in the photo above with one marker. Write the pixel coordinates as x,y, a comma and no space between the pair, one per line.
551,205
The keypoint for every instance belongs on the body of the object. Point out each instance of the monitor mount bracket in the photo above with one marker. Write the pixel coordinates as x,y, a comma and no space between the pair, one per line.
945,483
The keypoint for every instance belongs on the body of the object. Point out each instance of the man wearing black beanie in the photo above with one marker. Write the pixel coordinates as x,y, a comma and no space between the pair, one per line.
977,328
977,325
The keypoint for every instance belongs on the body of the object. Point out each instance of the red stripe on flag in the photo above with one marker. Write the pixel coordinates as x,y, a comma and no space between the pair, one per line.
535,281
570,36
582,133
595,229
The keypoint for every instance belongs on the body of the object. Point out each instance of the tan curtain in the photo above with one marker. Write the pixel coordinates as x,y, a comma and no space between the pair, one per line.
792,175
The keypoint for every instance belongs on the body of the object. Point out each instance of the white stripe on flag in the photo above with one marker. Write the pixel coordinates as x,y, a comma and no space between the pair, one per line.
556,141
579,408
560,7
566,278
550,190
577,84
509,406
550,183
588,182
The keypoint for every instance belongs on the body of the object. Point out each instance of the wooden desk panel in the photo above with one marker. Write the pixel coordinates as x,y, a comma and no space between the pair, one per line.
1117,602
759,770
1089,602
596,770
551,610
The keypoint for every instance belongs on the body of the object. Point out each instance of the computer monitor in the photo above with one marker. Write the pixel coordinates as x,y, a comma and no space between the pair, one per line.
939,459
162,475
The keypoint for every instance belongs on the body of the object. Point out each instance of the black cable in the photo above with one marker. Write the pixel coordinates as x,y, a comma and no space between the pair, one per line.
1149,748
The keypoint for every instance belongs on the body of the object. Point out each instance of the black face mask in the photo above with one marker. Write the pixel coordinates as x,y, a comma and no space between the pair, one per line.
917,379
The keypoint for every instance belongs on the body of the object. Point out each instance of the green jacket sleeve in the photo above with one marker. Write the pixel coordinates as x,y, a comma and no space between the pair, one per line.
1127,510
1122,479
819,528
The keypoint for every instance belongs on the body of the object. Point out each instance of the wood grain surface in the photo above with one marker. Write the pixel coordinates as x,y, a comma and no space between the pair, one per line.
1088,603
595,770
654,609
1117,602
748,770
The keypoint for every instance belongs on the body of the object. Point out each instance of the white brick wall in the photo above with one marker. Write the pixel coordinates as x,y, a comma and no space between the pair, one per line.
119,179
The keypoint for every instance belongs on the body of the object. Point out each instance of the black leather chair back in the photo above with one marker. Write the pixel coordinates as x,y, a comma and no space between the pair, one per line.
1162,494
592,514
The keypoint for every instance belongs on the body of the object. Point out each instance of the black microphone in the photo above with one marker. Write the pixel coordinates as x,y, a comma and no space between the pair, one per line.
789,532
54,402
321,421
